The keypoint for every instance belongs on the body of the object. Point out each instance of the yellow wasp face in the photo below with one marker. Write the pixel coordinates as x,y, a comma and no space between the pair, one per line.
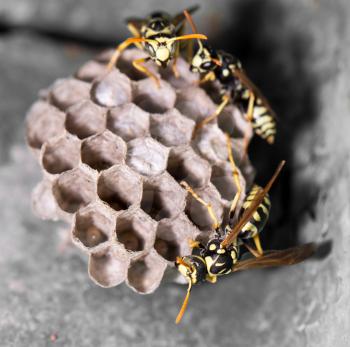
161,50
202,61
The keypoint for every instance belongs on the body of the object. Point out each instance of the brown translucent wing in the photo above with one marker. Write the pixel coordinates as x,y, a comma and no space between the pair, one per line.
232,235
249,84
288,256
180,18
136,22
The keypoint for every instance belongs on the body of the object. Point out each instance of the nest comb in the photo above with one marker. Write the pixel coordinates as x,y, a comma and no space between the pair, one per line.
113,148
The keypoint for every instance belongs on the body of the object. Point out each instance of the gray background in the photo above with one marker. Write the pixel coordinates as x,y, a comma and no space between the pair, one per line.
297,51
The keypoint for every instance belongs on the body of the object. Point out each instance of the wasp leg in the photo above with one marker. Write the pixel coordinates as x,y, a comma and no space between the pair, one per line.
211,279
210,76
173,66
194,244
134,31
249,118
120,48
253,251
225,100
235,175
257,242
212,215
138,65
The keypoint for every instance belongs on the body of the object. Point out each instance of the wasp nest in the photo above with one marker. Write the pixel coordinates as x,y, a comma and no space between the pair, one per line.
113,148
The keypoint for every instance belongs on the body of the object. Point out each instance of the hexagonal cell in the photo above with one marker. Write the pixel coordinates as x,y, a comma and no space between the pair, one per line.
194,103
93,227
85,119
61,154
128,121
172,237
162,197
198,213
145,275
120,187
152,98
222,179
186,165
113,89
232,121
109,268
69,91
147,156
125,64
136,231
44,122
171,128
91,71
103,151
44,204
211,144
185,78
75,188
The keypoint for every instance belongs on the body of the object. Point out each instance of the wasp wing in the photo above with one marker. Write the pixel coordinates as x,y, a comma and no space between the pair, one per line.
233,233
241,75
180,18
288,256
134,25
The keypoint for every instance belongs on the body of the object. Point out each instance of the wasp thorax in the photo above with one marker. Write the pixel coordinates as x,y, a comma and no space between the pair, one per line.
192,267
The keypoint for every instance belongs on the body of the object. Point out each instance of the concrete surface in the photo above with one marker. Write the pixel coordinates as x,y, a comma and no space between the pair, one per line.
298,52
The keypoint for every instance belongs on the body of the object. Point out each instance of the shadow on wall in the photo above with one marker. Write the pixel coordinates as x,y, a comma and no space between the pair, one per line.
276,56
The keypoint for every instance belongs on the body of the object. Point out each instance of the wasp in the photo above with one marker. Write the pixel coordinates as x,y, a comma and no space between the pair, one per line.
158,35
221,255
235,86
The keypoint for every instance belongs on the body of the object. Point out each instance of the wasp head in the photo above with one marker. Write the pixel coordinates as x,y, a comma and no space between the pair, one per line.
204,60
161,50
192,267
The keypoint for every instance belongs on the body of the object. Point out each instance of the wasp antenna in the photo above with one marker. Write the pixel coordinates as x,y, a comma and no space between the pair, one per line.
190,21
184,305
189,36
216,62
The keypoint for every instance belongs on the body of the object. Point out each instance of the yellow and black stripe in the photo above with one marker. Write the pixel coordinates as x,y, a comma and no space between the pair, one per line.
259,217
263,121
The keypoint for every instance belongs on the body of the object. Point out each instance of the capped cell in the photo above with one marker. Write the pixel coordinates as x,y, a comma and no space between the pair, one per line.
194,103
128,121
153,98
85,119
113,89
172,128
44,122
69,91
147,156
91,70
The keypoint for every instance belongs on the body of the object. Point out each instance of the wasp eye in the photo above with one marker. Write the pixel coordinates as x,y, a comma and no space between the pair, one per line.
207,65
150,49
